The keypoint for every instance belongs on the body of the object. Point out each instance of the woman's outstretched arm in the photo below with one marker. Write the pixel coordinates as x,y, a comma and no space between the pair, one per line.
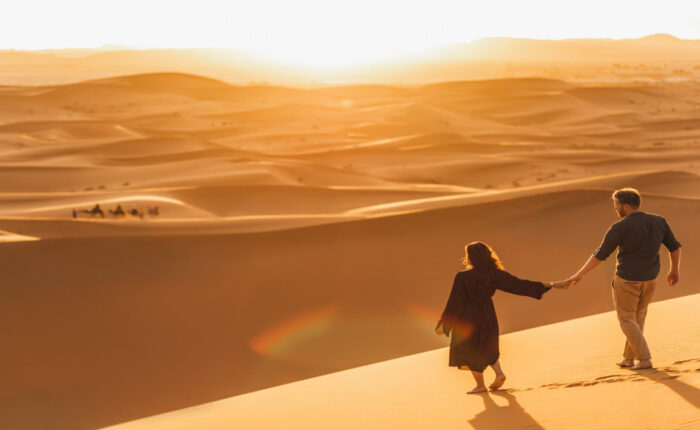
522,287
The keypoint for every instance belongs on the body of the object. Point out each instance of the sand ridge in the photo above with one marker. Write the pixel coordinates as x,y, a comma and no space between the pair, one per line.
556,380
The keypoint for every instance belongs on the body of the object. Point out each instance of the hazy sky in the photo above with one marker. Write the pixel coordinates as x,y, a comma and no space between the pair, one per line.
332,32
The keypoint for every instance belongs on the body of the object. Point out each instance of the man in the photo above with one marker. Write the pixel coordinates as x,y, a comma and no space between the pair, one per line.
638,236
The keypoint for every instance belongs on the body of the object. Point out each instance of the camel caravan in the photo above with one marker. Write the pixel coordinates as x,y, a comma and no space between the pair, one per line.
118,212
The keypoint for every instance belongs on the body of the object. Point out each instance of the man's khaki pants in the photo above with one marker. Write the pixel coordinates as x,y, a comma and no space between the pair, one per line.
631,299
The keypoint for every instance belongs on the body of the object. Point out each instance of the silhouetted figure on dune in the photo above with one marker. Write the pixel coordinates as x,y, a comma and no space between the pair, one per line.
638,237
136,212
471,317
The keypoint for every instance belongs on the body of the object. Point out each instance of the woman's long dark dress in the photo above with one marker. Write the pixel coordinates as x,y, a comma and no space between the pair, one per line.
471,318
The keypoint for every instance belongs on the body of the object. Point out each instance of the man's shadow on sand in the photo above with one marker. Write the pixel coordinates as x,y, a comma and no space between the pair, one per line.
495,417
688,392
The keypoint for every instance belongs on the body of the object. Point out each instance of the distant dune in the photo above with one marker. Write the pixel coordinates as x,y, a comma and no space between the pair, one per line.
301,232
653,47
652,58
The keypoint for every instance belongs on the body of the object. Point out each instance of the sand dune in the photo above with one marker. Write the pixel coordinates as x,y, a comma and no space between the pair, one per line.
6,236
175,81
250,200
128,149
560,377
68,130
335,296
232,206
499,87
301,231
124,86
174,207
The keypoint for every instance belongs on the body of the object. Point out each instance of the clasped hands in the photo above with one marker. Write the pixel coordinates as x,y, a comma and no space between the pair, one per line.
561,285
565,284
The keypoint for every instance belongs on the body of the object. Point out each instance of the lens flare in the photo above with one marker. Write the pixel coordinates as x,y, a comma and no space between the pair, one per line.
292,330
429,317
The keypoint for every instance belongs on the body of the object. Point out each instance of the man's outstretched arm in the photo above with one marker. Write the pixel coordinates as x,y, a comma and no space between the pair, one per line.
612,239
673,274
591,264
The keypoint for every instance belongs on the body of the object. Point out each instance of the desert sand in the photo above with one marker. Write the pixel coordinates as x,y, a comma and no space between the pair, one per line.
307,231
560,376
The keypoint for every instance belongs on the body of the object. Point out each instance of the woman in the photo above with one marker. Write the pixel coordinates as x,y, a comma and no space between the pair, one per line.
471,318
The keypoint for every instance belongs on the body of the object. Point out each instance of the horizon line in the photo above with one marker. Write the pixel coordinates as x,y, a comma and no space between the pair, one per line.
120,47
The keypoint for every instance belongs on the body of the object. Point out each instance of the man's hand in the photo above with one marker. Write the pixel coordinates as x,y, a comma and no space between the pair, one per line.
672,278
591,264
575,279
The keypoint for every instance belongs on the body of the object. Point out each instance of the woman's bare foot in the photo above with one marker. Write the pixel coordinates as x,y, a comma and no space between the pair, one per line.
643,364
498,382
500,376
477,390
480,386
626,363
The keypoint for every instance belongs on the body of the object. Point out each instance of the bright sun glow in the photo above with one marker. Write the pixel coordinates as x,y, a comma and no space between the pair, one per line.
334,54
330,33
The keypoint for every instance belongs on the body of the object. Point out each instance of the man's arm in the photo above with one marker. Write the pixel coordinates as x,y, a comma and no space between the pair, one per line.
674,253
591,264
673,274
612,239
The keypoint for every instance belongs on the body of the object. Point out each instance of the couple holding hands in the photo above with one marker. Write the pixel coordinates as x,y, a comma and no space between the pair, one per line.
470,317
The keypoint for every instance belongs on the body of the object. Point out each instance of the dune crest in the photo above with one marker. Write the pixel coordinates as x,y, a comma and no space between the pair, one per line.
559,376
6,237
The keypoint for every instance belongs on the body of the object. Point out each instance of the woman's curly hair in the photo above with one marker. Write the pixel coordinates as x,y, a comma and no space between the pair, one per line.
483,260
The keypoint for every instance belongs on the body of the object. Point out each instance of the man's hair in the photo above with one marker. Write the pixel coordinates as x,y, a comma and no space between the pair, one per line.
628,196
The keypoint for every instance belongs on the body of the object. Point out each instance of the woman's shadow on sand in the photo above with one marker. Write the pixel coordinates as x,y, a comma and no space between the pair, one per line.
501,417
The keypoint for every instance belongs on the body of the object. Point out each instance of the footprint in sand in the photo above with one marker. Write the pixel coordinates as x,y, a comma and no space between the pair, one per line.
690,360
515,390
608,377
672,372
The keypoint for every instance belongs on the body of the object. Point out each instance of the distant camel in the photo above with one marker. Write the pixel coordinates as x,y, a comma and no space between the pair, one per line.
135,212
119,211
96,210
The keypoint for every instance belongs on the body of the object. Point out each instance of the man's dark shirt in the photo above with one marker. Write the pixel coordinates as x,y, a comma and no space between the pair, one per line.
639,236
